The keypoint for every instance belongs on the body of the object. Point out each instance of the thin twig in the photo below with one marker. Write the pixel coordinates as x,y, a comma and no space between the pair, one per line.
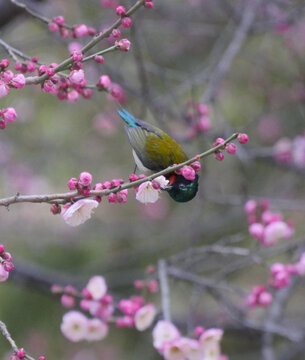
62,198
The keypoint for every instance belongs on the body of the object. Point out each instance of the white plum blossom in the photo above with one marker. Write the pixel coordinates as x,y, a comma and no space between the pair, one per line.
192,349
174,351
275,231
79,212
96,330
163,333
210,343
97,287
148,193
144,317
74,326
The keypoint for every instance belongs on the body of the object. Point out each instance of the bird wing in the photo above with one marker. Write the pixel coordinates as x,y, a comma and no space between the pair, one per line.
155,148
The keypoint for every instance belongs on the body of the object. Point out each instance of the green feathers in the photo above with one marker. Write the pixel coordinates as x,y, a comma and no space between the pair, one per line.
183,190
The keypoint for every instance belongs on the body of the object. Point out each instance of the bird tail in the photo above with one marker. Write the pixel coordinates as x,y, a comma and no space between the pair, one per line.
128,118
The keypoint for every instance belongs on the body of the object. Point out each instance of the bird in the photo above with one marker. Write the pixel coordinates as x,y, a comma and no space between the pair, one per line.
153,150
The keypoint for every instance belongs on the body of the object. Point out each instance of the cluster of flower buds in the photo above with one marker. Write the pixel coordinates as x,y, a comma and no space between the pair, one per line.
198,116
21,354
82,184
28,66
168,341
126,21
259,297
150,285
115,91
281,274
6,264
189,171
148,4
8,79
280,278
7,115
266,226
66,88
78,31
291,152
230,148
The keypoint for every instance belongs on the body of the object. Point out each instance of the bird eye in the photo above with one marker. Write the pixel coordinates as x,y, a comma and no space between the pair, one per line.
182,186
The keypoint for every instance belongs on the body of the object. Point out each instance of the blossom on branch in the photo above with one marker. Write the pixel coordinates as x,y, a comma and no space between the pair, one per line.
79,212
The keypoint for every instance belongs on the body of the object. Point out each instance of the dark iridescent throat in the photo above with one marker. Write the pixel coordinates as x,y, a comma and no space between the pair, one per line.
183,190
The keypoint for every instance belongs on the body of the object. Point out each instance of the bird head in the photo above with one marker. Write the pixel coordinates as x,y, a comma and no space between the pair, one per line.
181,189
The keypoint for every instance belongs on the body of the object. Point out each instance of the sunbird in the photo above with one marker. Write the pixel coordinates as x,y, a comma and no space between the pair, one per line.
153,150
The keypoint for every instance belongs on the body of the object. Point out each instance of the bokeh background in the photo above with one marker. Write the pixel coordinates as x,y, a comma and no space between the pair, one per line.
172,65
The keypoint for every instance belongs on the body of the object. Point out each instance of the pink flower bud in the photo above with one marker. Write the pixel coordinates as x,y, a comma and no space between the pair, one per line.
7,76
250,206
59,20
31,67
219,155
104,82
2,248
218,141
80,31
41,358
152,286
21,353
55,209
196,166
85,179
126,22
155,184
123,44
199,330
107,185
4,89
7,256
4,63
35,59
98,186
139,284
72,96
120,10
42,69
133,177
56,289
67,301
9,114
230,148
203,109
18,81
257,230
18,66
150,269
116,33
203,124
77,77
64,32
72,183
92,31
86,93
188,172
148,4
77,56
53,27
99,59
107,299
265,299
242,138
8,266
126,321
2,124
112,198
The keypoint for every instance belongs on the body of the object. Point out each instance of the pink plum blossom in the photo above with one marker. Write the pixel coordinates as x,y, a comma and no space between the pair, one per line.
104,82
188,172
85,179
18,81
257,230
79,212
123,44
96,330
97,287
300,265
191,349
144,317
80,30
74,326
